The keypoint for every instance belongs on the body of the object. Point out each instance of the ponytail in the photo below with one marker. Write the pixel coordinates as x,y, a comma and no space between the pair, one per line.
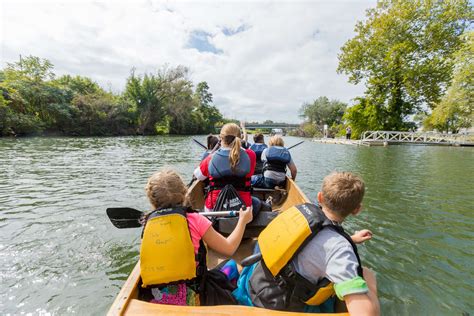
230,137
234,156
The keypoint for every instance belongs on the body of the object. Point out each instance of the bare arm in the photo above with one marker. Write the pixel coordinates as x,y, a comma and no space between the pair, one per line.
244,131
227,246
364,304
293,169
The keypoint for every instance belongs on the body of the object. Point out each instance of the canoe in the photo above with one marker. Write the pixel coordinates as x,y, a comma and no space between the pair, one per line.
127,302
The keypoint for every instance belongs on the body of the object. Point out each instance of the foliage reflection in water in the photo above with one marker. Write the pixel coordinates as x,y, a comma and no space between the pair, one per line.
61,255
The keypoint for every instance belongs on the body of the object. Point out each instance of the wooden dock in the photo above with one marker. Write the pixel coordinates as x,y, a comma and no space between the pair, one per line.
385,138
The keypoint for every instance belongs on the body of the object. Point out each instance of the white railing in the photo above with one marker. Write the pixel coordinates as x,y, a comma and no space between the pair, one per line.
411,137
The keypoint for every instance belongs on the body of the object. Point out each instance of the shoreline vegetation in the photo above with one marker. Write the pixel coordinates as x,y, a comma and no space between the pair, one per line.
414,58
34,102
415,61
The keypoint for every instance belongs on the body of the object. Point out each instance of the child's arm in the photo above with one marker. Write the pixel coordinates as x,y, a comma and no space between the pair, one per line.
244,131
227,246
364,304
361,236
293,169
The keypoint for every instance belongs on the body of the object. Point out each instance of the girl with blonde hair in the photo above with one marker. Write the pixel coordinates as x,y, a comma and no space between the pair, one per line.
231,164
276,158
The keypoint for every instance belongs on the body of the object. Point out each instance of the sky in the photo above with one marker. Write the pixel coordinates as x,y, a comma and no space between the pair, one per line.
261,59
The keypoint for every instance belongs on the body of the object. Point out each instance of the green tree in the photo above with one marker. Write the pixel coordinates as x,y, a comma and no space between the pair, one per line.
78,85
456,108
149,94
33,99
323,111
210,114
402,53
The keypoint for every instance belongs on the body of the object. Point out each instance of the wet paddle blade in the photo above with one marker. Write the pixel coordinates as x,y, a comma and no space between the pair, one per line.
125,217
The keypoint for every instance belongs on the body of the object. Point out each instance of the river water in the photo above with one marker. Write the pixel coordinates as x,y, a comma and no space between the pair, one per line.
61,255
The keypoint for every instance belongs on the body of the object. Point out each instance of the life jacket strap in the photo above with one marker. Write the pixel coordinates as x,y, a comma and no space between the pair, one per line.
274,165
239,183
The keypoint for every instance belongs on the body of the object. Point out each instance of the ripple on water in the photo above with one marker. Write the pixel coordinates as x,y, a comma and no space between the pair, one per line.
61,255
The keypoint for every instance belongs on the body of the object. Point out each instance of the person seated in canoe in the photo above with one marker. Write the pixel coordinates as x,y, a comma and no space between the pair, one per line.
172,253
258,146
275,160
229,165
305,259
212,141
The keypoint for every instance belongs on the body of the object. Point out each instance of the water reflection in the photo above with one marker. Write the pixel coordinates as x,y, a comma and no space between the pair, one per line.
61,255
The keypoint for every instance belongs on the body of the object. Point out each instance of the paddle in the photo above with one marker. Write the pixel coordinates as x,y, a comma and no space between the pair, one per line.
296,144
126,217
199,143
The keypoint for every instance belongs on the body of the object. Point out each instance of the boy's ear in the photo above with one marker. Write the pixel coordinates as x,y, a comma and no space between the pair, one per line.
320,198
357,210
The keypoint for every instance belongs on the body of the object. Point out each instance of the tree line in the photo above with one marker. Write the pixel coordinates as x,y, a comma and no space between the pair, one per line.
415,59
33,101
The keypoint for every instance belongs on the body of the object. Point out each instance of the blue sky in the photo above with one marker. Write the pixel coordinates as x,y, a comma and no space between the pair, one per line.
261,59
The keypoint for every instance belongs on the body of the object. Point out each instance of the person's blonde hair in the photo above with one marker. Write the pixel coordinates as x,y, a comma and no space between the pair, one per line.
276,140
230,137
165,189
342,192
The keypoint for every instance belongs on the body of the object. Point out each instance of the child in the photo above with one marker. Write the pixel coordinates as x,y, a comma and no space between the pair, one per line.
276,158
258,147
212,142
171,241
330,256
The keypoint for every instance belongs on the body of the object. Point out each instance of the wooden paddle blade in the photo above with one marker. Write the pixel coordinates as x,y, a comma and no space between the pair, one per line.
125,217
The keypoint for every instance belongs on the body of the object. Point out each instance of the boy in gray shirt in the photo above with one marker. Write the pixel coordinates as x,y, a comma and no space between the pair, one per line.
329,255
324,264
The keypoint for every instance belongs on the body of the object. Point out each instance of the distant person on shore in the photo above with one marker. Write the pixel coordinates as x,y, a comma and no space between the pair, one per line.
276,158
258,147
212,141
348,132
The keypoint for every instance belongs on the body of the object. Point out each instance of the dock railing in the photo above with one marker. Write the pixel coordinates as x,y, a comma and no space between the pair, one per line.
413,137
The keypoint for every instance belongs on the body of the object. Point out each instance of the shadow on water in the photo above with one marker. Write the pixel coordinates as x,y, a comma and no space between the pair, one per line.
60,253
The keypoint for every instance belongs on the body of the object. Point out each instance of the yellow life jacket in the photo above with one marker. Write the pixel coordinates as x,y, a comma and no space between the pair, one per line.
167,252
275,283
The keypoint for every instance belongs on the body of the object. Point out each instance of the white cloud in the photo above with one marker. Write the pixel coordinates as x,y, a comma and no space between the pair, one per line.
284,54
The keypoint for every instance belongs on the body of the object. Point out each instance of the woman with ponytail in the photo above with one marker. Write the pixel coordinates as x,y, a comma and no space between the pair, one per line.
231,164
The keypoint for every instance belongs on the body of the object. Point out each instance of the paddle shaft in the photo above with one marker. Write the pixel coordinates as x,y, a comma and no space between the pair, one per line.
125,217
223,213
199,143
296,144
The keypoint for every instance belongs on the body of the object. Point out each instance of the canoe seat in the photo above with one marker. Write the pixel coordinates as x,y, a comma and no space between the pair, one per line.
226,225
278,195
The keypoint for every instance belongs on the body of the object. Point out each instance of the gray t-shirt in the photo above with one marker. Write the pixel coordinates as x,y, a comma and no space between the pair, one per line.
328,255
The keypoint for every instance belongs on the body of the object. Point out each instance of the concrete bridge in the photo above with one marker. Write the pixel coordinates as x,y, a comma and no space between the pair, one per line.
269,126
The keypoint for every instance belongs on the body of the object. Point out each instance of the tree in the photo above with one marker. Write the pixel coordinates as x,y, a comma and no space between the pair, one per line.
150,93
209,113
203,94
402,53
323,111
78,85
33,99
456,108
